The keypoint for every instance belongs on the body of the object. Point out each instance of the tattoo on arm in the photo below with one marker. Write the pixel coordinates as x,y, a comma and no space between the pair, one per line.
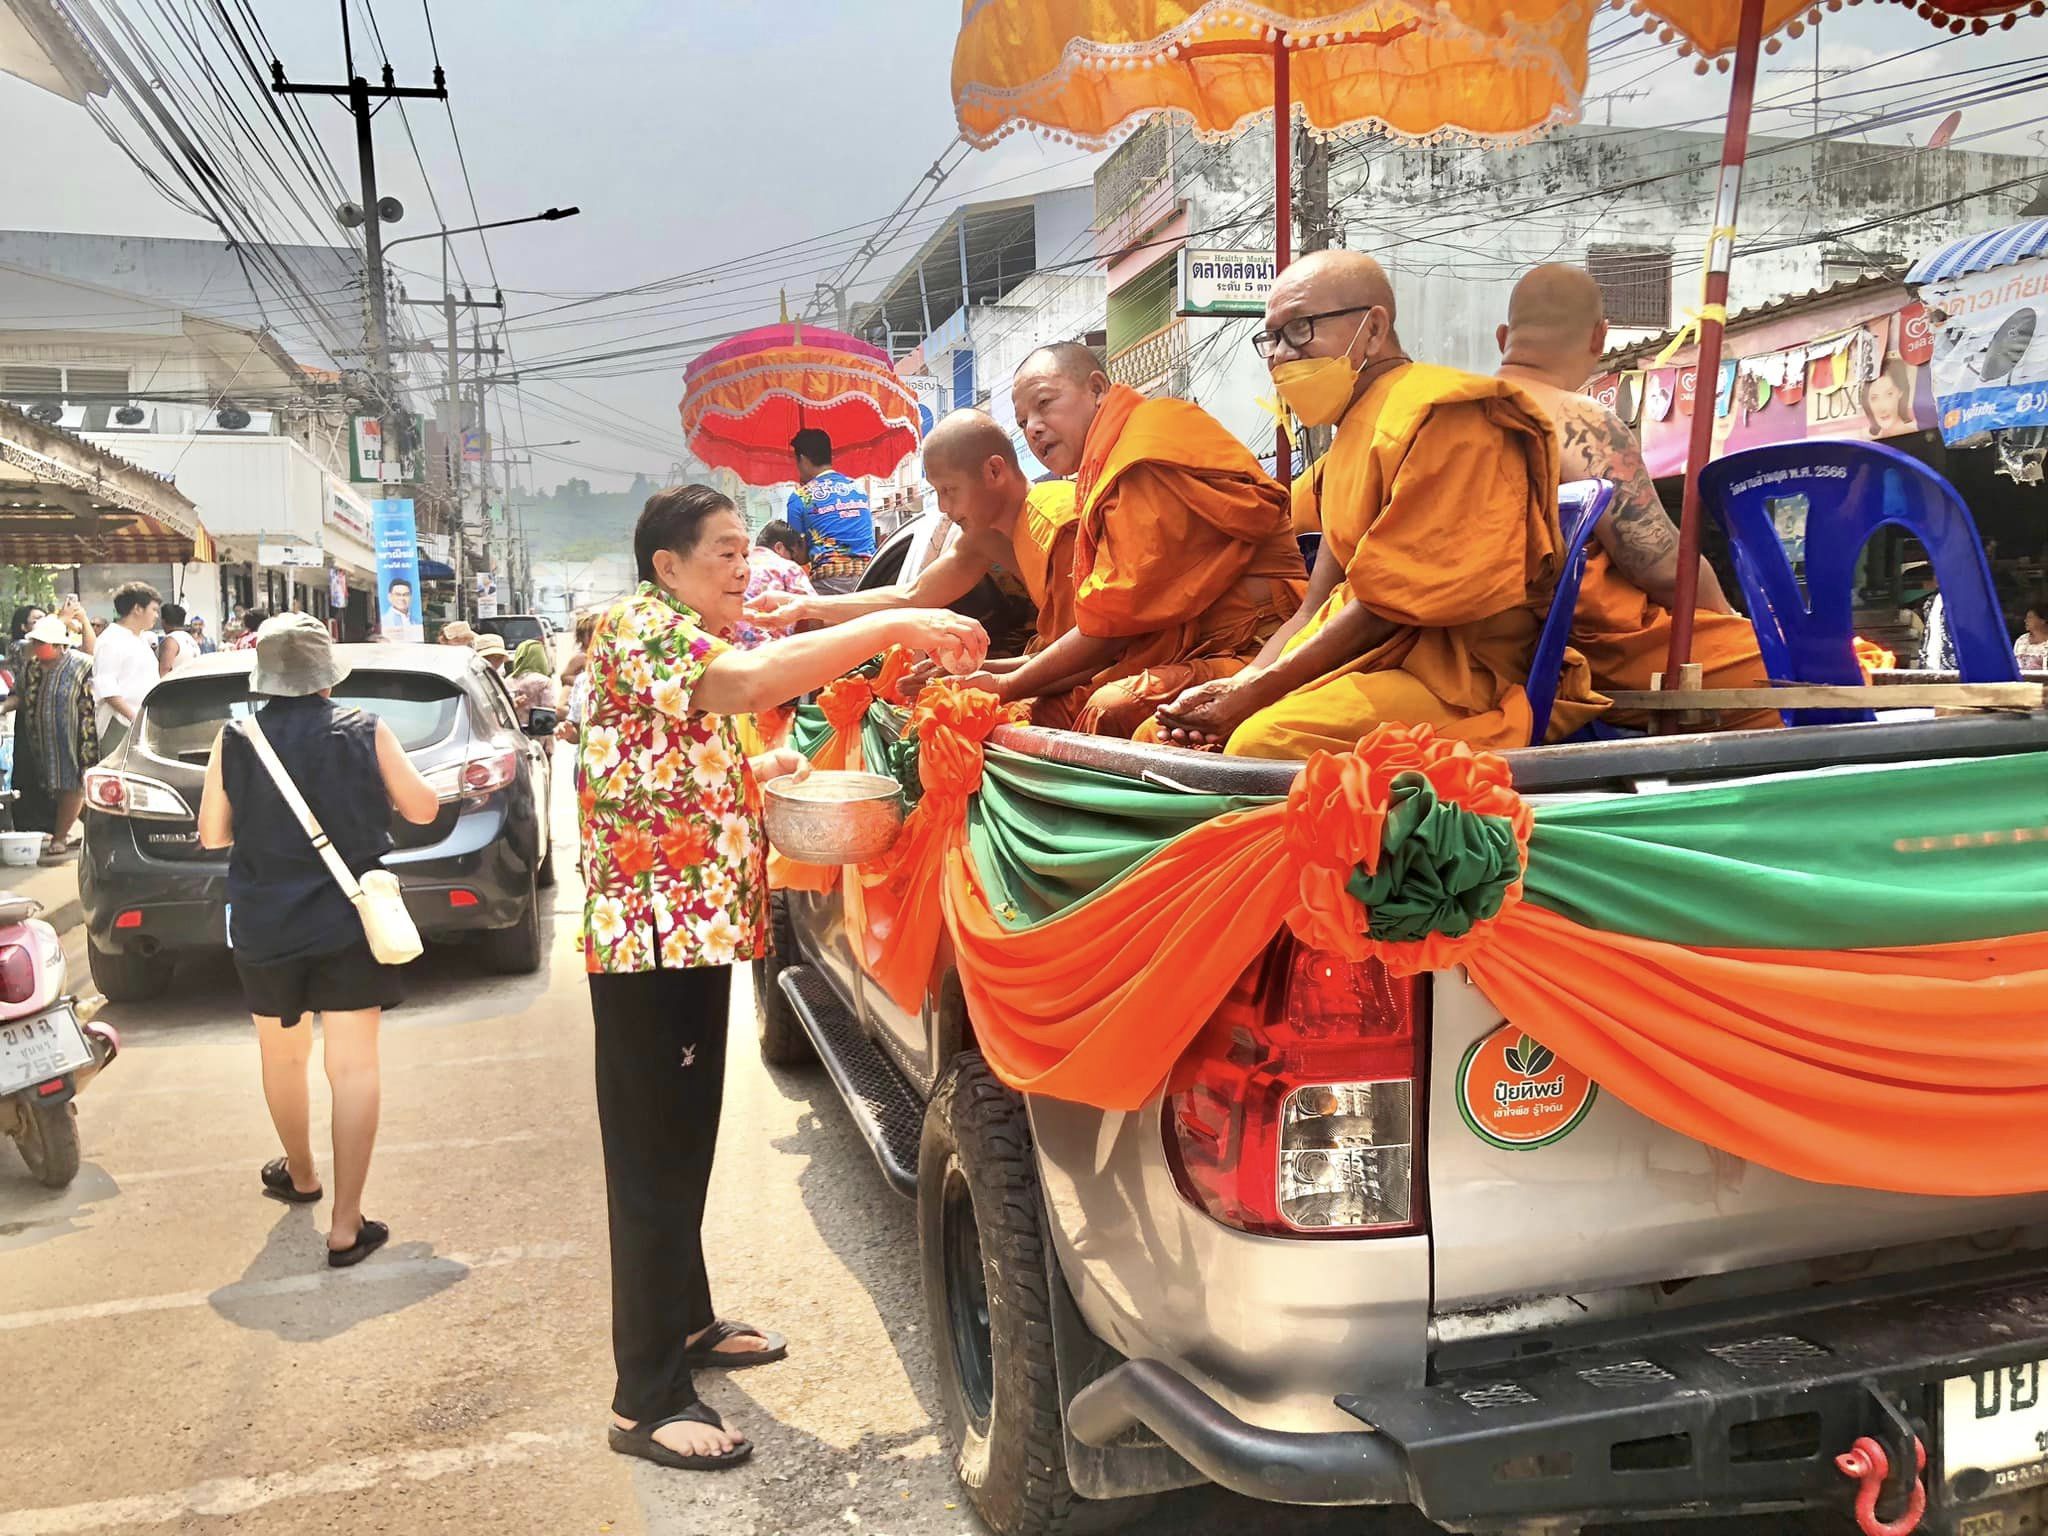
1637,532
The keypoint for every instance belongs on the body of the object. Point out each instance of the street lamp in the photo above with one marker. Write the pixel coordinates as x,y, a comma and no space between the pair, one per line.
469,229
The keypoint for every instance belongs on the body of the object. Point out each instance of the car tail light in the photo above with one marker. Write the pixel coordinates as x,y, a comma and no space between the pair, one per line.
130,794
132,918
462,898
475,778
1296,1111
17,974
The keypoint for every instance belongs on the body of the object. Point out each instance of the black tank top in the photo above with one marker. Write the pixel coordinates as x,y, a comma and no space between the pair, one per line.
286,904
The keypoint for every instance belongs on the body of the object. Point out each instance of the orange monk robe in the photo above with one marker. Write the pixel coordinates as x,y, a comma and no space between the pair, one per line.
1626,639
1184,547
1042,557
1440,500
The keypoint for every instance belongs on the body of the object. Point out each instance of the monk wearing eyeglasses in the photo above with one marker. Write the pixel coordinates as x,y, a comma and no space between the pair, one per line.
1184,560
1440,545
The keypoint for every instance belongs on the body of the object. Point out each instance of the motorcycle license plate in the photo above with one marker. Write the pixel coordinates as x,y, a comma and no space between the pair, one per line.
1994,1426
35,1050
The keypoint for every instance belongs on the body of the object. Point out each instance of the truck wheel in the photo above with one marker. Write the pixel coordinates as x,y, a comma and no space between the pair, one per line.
981,1237
127,977
784,1041
49,1143
517,951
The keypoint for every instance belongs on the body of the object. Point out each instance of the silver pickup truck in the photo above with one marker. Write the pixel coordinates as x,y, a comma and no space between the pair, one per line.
1620,1324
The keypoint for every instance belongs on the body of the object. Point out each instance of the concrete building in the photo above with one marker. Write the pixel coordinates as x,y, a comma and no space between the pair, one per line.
1456,226
257,441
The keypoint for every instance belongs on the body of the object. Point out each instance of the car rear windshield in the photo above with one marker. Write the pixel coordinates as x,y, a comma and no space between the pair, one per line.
514,630
185,714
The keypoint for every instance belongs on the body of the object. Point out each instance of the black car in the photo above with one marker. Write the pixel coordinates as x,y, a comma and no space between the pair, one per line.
151,893
515,629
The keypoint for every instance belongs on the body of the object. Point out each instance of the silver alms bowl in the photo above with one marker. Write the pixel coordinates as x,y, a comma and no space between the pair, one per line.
832,817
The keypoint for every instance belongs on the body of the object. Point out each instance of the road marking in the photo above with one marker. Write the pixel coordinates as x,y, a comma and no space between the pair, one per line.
223,1497
436,1265
384,1149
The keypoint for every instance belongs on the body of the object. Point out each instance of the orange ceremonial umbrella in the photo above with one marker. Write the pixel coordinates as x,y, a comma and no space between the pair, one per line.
1488,71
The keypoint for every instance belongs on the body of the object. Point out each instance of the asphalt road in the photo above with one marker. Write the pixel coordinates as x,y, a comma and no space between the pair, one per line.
176,1356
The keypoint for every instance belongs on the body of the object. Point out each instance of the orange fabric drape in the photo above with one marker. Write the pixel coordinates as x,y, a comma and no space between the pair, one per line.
1922,1070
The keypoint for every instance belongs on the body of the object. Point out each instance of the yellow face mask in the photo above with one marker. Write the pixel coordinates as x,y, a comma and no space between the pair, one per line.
1318,389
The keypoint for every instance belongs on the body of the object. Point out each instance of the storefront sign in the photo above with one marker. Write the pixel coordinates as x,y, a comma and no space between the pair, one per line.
290,556
1915,335
366,459
1990,349
346,513
398,570
1214,282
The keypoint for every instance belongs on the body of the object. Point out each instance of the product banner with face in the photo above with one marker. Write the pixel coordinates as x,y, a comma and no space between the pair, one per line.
1990,347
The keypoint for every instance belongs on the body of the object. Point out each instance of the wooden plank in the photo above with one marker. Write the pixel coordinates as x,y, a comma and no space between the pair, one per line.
2014,696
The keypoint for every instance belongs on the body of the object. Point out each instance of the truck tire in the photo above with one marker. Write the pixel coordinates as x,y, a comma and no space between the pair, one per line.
127,977
518,950
980,1234
49,1143
784,1041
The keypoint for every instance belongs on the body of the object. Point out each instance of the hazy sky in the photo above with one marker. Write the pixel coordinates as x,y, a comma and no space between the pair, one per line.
692,134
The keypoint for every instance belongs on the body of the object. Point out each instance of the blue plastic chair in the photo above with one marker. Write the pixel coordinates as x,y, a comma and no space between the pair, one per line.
1851,490
1580,505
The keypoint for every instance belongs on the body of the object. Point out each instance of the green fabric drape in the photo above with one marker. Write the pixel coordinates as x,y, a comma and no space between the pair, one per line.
1923,854
1441,868
1046,835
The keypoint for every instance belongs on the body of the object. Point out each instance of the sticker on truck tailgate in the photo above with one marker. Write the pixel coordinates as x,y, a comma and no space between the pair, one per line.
1516,1094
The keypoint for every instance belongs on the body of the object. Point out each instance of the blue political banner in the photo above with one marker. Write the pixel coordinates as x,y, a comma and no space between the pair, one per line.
399,603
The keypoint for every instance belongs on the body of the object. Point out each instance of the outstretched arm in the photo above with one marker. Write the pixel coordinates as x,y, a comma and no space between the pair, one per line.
939,585
1637,532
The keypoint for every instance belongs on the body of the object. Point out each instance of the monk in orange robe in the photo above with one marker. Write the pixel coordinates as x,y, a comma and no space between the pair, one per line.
1440,543
1007,527
1556,332
1184,561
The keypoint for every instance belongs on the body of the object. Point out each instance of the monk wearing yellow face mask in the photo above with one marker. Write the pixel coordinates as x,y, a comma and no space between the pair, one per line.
1184,562
1440,543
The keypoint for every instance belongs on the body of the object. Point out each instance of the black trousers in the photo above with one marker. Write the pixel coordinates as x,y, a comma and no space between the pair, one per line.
660,1081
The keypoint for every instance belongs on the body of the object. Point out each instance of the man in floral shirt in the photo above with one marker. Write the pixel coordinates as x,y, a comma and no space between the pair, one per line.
674,863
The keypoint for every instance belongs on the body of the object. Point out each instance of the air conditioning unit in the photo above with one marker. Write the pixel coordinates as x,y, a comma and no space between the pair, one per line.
72,418
132,417
232,418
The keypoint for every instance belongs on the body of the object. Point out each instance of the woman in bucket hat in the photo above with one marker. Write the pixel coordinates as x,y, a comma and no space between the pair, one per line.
297,940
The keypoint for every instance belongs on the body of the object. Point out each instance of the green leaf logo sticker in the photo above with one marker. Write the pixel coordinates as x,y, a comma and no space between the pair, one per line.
1515,1094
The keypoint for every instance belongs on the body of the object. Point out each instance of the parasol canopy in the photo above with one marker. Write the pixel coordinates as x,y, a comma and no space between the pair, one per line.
748,396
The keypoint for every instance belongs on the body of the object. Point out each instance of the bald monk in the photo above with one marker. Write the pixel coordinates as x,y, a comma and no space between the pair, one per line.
1184,560
1440,543
1556,332
1006,525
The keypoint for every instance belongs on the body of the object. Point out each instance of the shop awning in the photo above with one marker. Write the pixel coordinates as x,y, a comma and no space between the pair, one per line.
1981,253
64,501
435,570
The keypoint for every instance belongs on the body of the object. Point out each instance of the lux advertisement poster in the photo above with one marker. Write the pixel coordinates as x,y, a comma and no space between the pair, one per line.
398,570
1990,349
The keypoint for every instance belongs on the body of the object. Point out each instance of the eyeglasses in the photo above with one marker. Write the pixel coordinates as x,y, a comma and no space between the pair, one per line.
1300,331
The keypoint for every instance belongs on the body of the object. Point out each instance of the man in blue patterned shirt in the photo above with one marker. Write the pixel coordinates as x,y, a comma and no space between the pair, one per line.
831,514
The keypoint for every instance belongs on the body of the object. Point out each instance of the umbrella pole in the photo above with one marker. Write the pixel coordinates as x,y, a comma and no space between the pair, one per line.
1706,393
1283,213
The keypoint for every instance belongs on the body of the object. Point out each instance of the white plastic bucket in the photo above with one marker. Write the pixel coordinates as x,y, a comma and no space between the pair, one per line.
20,848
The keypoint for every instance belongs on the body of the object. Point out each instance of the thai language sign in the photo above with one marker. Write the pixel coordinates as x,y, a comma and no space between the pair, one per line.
1215,282
1990,349
398,570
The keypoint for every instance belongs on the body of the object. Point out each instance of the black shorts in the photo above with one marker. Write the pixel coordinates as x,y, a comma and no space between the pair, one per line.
341,981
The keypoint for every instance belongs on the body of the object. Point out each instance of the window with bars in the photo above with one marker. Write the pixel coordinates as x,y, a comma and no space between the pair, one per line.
72,386
1635,283
1144,305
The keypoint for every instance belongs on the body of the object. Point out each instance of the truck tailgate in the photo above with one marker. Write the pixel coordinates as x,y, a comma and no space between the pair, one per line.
1615,1199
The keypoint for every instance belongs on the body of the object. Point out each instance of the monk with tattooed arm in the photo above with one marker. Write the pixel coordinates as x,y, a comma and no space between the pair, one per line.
1551,345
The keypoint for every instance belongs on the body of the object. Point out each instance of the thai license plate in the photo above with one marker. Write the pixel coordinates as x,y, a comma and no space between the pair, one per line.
35,1050
1994,1429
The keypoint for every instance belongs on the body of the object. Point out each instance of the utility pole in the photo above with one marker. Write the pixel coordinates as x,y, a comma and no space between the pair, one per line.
358,93
448,304
1312,212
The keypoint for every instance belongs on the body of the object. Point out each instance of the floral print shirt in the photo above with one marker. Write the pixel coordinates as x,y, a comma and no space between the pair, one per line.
674,859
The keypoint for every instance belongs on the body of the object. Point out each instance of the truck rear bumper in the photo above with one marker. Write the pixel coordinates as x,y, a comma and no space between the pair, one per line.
1721,1410
1280,1466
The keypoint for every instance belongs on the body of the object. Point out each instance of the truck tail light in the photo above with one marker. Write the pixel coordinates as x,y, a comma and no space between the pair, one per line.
130,794
1296,1112
17,974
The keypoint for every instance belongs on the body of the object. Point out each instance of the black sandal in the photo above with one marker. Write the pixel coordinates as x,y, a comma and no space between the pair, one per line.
370,1236
639,1441
705,1355
278,1185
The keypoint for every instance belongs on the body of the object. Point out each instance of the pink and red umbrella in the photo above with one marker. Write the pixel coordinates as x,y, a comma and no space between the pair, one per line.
745,399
